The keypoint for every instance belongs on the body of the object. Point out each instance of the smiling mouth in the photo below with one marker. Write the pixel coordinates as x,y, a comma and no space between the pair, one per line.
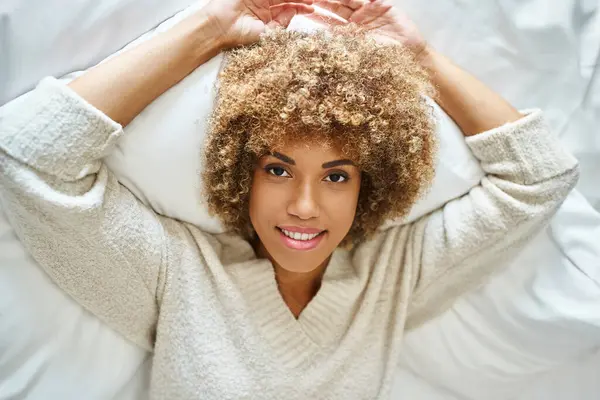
301,241
300,236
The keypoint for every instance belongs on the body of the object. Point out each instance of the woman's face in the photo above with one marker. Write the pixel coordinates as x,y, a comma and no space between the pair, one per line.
302,204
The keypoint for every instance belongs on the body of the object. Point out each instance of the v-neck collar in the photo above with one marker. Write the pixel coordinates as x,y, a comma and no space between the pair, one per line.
323,321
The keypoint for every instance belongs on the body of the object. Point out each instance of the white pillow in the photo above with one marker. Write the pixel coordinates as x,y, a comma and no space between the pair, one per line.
542,312
160,156
49,346
50,37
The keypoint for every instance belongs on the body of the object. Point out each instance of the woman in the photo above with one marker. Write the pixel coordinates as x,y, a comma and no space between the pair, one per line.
276,312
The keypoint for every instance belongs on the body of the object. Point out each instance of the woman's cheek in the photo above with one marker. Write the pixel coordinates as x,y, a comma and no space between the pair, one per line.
267,197
341,207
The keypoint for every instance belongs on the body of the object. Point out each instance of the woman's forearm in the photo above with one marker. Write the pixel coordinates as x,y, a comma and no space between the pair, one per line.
471,104
123,86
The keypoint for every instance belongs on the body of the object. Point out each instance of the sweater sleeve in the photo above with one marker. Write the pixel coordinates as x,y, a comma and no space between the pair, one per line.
90,234
528,176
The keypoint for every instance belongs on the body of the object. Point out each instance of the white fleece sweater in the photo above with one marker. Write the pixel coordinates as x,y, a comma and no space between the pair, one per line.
209,309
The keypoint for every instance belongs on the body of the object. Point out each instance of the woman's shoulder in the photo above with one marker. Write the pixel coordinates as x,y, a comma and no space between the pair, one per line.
225,248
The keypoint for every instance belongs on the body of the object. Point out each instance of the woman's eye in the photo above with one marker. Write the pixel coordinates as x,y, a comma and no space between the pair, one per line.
336,178
278,171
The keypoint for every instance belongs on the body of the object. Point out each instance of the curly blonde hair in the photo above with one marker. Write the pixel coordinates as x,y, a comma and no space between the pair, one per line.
338,87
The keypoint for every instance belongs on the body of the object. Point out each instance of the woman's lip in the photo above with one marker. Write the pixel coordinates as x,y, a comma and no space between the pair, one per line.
302,245
299,229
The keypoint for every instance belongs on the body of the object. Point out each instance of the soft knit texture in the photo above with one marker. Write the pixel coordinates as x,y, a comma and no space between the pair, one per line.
209,309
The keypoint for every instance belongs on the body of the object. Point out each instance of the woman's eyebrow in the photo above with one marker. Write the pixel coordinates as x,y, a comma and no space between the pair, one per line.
284,158
337,163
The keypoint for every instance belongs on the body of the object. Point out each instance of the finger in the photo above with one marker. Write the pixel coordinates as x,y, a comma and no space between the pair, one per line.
299,8
282,16
353,4
274,3
370,12
344,8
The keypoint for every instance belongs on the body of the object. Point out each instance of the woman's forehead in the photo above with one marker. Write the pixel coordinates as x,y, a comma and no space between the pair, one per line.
313,151
307,142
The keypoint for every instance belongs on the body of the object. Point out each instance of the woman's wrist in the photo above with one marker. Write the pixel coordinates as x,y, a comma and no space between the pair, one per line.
470,103
201,35
426,57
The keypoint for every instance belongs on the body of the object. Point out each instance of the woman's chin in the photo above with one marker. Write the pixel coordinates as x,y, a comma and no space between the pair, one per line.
298,256
301,268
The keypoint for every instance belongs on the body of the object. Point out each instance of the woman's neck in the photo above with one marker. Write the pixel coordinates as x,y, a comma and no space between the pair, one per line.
299,283
297,288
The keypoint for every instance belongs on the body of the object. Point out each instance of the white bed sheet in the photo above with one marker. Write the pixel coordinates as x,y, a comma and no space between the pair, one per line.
41,37
536,53
579,380
542,53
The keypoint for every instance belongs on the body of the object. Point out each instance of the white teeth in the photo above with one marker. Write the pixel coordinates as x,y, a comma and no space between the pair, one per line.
300,236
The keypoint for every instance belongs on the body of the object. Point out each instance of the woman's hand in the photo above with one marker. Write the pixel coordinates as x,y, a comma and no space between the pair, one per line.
242,21
388,23
470,103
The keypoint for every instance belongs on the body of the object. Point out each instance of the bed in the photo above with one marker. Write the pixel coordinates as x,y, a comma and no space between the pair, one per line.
531,333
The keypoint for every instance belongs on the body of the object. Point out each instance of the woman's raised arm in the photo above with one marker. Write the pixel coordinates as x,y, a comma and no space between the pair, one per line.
528,176
98,242
123,86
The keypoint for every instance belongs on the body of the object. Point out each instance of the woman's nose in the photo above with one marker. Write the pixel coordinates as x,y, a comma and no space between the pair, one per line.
304,204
